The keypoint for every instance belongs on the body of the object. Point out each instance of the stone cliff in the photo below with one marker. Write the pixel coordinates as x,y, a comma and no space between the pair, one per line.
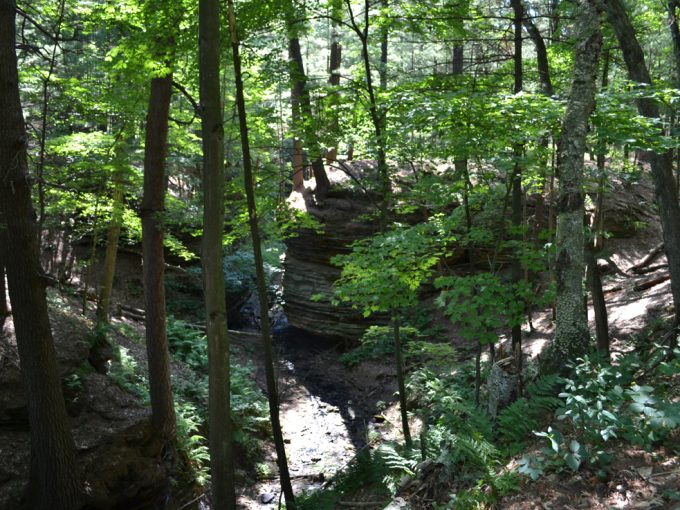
344,217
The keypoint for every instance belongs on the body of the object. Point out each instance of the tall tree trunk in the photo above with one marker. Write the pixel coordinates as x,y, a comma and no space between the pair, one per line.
517,276
112,236
153,207
376,113
541,56
336,54
54,481
593,273
272,389
219,398
303,118
457,61
661,164
547,88
43,120
571,330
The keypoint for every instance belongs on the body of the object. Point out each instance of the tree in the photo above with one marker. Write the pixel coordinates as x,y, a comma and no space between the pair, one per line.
219,400
153,207
54,482
111,254
301,103
571,329
661,163
272,387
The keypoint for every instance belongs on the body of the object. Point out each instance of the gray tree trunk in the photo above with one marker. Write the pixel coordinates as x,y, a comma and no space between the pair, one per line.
571,331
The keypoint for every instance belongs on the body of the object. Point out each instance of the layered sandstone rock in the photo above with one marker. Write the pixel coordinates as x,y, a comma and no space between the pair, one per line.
345,216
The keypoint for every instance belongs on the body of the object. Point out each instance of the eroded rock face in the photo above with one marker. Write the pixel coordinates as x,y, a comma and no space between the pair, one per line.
308,270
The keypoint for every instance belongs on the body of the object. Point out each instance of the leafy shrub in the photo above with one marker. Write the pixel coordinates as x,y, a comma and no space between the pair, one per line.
601,402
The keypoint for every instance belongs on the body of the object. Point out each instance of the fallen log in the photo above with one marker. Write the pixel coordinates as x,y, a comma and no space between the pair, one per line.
651,283
647,259
651,269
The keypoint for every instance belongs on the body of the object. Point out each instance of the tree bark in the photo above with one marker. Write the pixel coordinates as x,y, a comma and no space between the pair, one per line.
571,330
272,389
219,398
54,482
4,309
112,236
541,56
675,35
401,379
517,276
599,304
384,46
303,118
661,164
153,207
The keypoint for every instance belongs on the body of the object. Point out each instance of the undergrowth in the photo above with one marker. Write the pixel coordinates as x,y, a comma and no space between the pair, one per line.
188,346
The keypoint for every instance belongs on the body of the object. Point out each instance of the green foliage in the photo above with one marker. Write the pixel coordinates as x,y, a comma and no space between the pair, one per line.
384,272
249,408
475,303
516,422
194,445
377,342
126,372
600,403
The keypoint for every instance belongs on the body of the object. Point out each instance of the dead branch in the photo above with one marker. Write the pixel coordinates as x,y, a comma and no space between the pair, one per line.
647,259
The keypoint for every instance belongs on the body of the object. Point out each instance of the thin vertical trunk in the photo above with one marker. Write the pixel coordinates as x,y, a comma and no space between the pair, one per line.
272,390
597,244
401,379
571,330
212,125
335,56
599,305
93,255
541,56
53,477
517,276
675,34
153,207
661,164
43,120
384,45
376,113
109,270
547,88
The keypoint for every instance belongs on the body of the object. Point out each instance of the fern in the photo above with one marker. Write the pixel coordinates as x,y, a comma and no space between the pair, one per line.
395,461
517,421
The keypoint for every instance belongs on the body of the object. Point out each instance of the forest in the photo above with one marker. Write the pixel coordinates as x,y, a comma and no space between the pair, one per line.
339,254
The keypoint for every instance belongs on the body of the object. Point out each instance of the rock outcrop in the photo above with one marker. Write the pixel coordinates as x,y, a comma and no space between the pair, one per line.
344,217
